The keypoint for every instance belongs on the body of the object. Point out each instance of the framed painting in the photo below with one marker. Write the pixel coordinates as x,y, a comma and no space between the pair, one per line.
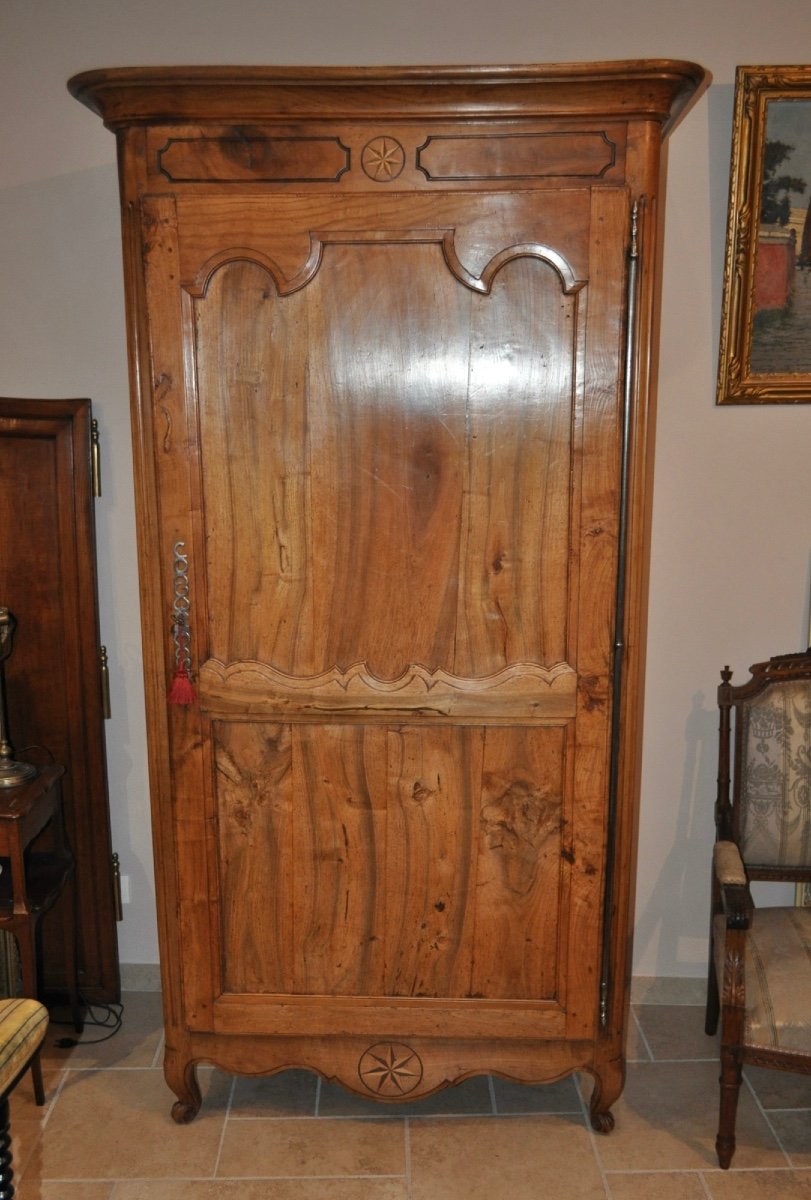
765,349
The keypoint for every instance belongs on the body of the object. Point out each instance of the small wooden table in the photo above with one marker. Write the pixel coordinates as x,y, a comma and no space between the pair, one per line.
33,877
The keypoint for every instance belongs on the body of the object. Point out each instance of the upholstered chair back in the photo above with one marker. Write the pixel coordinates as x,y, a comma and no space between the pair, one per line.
774,776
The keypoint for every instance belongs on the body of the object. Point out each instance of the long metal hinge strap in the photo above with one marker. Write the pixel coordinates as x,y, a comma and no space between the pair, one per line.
618,655
104,670
95,458
118,905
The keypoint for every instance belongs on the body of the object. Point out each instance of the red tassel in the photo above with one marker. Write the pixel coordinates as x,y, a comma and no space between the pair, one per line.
181,690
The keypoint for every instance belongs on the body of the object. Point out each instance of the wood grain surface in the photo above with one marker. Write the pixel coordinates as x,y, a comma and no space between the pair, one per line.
379,335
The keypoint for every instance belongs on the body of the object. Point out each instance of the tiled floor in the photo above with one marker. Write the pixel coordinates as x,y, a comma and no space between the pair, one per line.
106,1133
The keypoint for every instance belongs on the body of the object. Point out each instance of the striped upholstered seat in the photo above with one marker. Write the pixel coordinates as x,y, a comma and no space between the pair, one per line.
22,1029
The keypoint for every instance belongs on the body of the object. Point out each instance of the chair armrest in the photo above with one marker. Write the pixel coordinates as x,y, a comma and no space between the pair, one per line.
734,885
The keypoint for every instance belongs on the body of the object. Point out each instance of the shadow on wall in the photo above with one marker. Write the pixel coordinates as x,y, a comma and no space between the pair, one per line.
677,912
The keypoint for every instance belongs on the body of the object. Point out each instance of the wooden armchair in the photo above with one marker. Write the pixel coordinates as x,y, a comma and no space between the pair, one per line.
23,1024
760,958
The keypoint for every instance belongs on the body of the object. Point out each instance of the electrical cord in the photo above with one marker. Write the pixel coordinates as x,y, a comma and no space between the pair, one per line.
102,1016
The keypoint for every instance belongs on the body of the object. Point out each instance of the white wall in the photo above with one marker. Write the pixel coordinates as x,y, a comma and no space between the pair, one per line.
731,532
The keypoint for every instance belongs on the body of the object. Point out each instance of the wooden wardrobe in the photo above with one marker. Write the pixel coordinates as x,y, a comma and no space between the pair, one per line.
390,338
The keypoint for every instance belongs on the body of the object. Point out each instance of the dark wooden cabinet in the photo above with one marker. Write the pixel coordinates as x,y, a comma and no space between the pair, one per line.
390,335
53,677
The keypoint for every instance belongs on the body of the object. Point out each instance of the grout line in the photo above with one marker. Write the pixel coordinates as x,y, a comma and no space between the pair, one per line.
157,1058
764,1114
592,1136
645,1041
221,1142
407,1155
20,1175
732,1173
114,1180
800,1108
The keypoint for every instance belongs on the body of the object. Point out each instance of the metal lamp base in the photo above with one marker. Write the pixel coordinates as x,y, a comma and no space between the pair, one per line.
13,773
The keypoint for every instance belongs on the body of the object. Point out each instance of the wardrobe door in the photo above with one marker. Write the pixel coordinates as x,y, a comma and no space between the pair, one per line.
387,443
54,675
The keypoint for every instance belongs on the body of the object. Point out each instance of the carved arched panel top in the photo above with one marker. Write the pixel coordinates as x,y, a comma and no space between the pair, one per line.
482,283
285,285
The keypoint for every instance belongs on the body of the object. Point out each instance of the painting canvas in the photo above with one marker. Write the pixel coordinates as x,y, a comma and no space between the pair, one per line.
765,354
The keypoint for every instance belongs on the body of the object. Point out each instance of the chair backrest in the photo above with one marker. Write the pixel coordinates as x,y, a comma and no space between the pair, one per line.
766,806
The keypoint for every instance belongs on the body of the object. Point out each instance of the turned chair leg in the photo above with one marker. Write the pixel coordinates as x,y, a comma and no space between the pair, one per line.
730,1081
27,949
713,998
39,1085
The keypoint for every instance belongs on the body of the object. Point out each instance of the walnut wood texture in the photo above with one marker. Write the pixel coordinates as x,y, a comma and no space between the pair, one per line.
53,681
378,332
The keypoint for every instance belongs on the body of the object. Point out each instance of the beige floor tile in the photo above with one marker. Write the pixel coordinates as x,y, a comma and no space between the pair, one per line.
780,1089
661,1185
666,1120
288,1094
472,1096
117,1125
676,1031
28,1118
308,1146
262,1189
794,1131
26,1146
560,1097
135,1044
23,1105
508,1158
65,1191
759,1185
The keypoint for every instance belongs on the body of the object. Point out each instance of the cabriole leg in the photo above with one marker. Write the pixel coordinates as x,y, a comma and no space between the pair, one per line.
608,1084
181,1076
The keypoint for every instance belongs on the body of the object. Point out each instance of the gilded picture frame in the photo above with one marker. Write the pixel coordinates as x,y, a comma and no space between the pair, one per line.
765,346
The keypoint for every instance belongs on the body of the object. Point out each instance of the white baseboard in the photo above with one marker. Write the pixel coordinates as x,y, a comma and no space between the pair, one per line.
661,989
140,977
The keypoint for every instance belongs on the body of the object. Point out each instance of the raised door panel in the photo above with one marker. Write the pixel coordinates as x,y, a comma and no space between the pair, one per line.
402,518
390,861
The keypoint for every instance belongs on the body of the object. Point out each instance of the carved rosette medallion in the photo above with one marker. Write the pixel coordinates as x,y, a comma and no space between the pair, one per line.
383,159
390,1069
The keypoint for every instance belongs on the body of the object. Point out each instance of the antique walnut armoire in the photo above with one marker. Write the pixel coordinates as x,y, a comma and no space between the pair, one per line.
389,341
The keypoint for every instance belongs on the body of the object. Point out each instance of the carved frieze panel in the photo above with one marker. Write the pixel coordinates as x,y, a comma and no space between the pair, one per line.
253,160
361,157
517,156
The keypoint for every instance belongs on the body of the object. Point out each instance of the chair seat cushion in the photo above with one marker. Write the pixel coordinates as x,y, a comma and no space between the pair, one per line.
23,1024
778,978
